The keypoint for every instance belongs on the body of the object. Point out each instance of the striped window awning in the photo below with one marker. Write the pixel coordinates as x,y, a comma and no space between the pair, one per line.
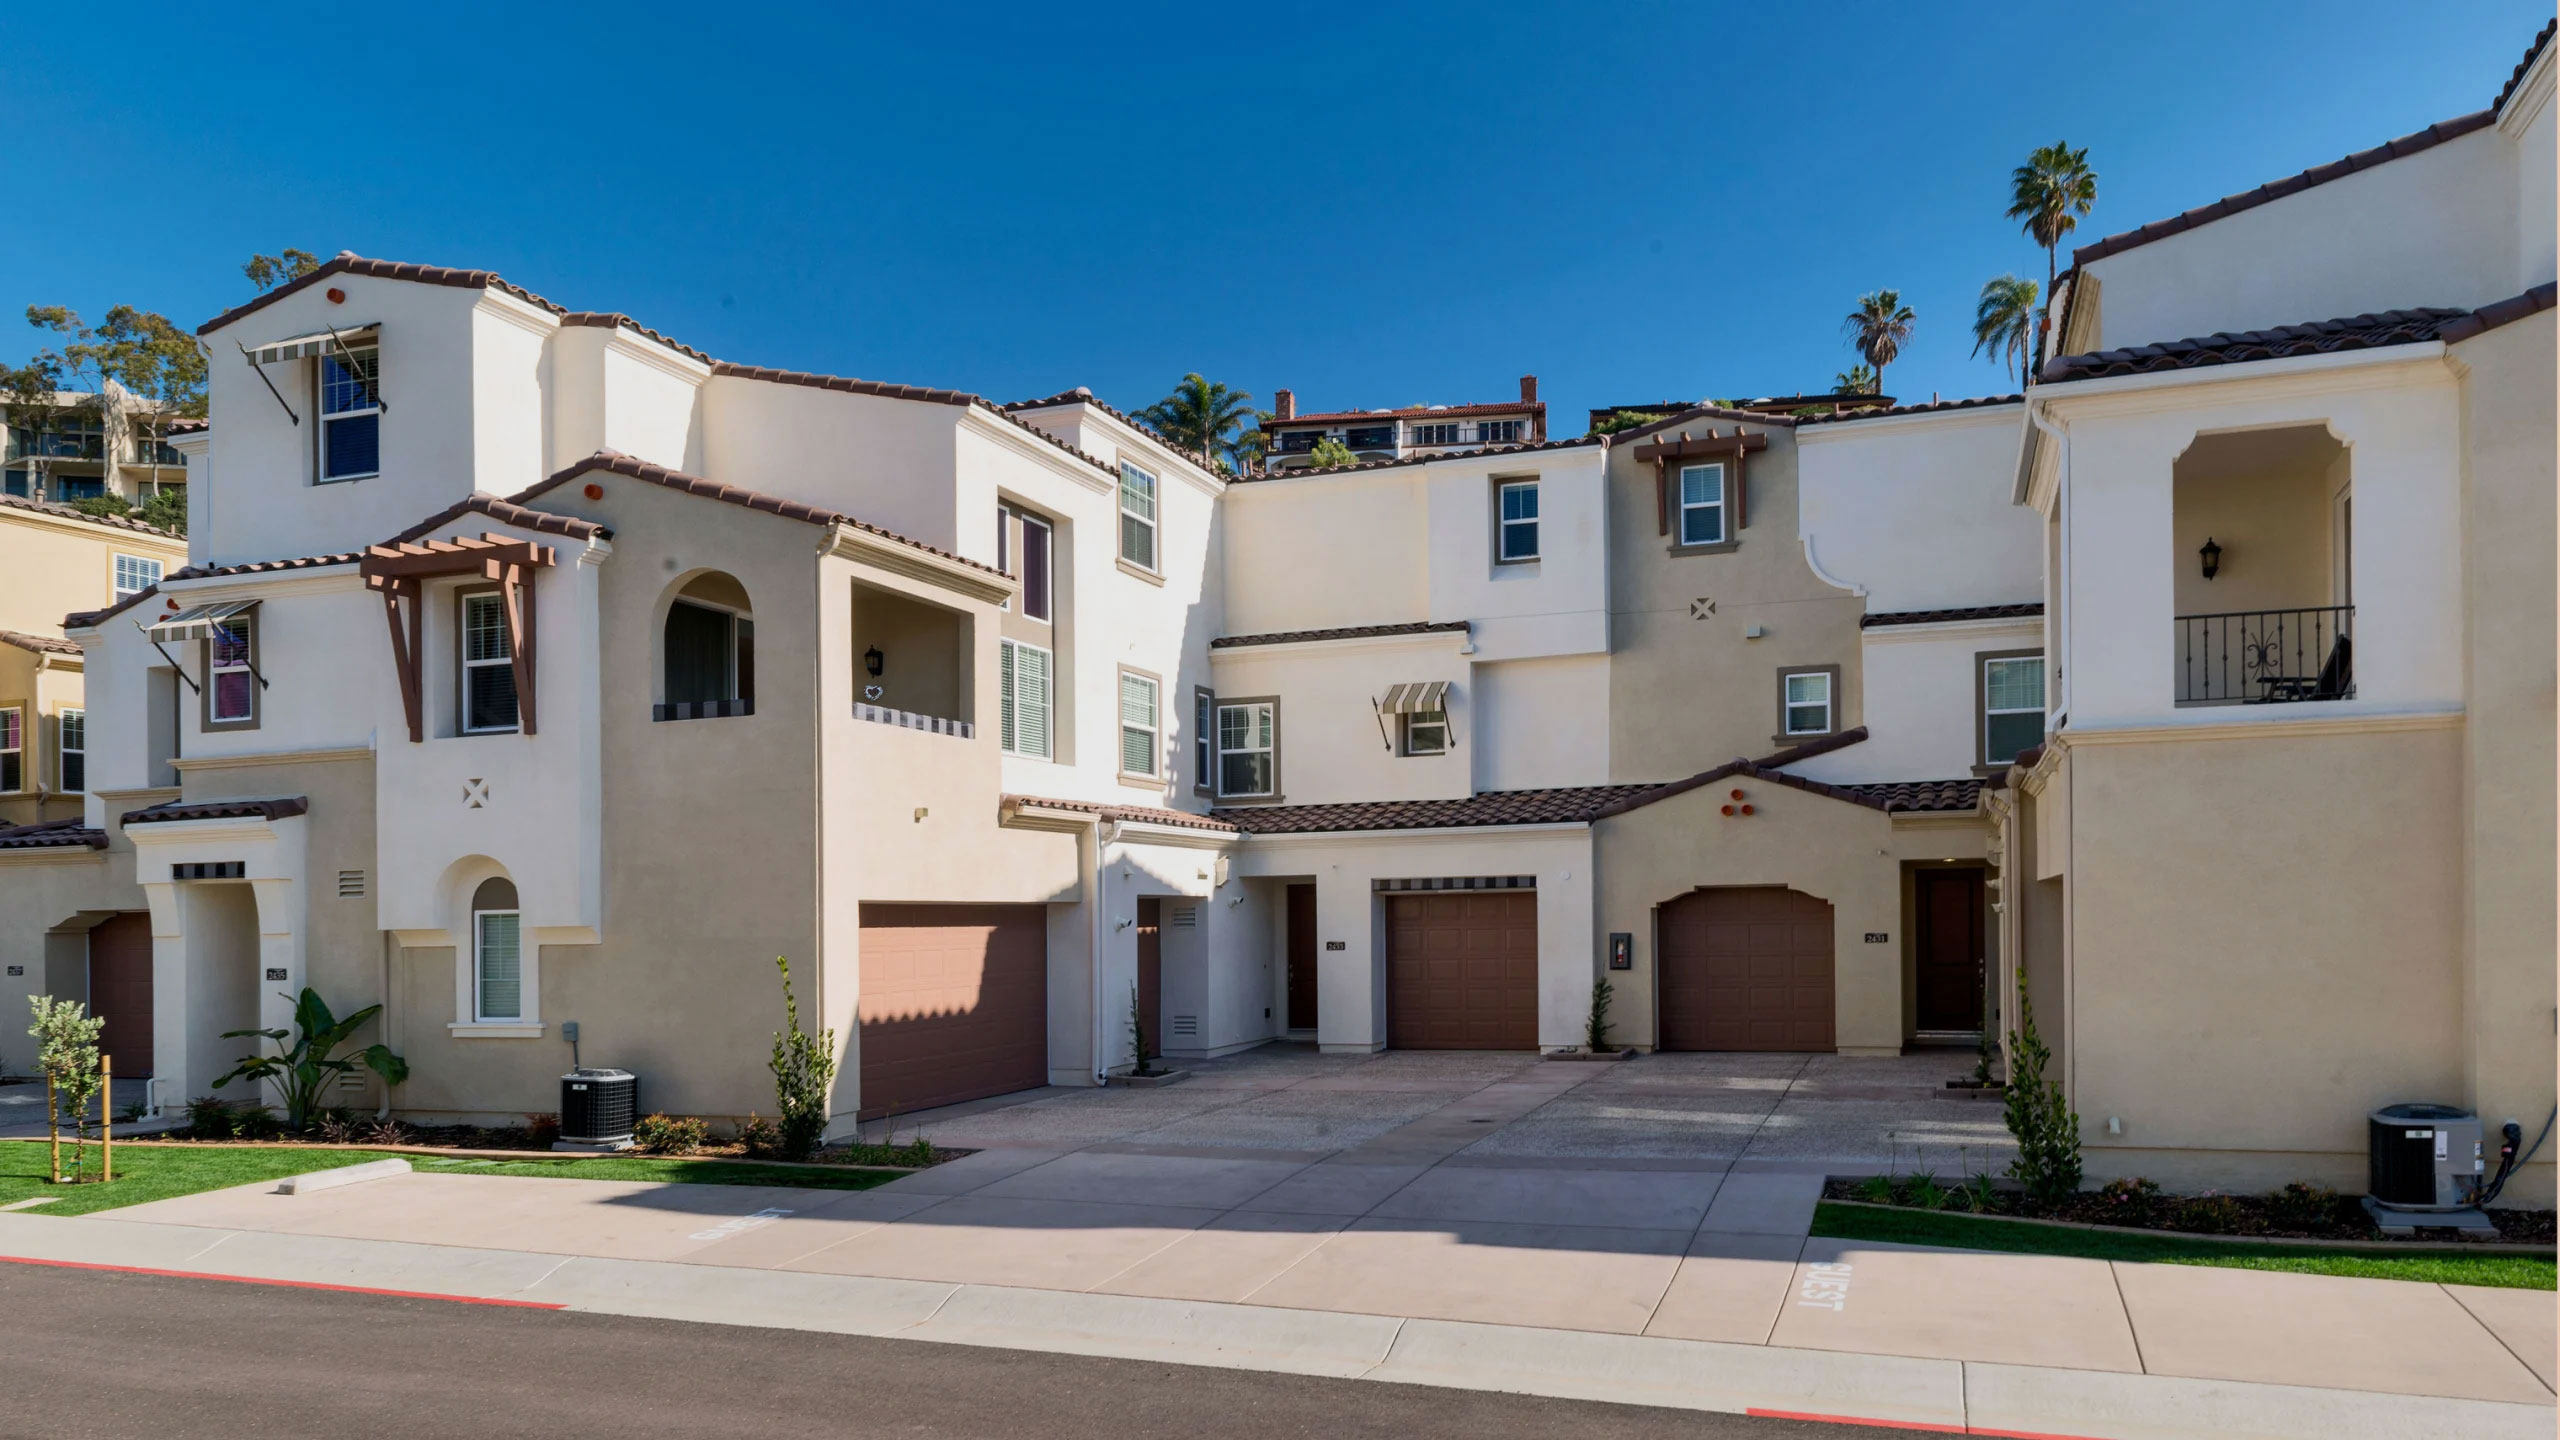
199,622
301,347
1422,697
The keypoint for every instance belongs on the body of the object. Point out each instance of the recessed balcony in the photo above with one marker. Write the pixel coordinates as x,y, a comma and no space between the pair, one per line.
2263,554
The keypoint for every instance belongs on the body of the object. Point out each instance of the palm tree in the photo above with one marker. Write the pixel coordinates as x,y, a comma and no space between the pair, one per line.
1856,380
1878,327
2048,193
1251,449
2005,322
1199,414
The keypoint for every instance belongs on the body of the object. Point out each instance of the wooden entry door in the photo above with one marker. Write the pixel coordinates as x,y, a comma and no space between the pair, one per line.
120,991
1302,957
1462,971
1151,974
1746,969
1947,909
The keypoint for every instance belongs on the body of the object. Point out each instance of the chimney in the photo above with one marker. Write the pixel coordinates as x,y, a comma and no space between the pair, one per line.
1284,405
1528,389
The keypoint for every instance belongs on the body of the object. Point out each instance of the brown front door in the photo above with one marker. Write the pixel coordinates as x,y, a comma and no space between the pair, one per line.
120,990
1302,957
1746,969
954,1006
1947,904
1151,974
1462,971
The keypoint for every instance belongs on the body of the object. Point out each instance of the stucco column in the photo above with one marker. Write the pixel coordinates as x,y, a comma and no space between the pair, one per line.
168,993
1351,981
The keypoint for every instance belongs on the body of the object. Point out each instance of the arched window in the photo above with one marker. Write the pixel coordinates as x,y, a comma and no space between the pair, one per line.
497,953
709,649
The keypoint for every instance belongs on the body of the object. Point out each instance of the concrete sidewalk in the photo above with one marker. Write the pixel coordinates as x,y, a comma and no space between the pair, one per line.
1837,1379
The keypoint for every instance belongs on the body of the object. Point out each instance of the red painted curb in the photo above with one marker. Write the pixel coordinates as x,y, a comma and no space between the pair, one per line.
1911,1425
287,1284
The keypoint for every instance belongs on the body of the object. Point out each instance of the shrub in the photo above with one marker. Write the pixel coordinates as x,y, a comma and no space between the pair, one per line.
389,1132
2129,1202
255,1122
1978,1196
2045,1126
2210,1213
340,1128
208,1118
1925,1192
542,1130
1876,1190
761,1138
804,1074
668,1135
1596,1029
2299,1206
306,1069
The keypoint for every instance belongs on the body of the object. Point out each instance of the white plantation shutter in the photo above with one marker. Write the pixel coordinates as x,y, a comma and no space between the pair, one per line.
1137,725
1030,726
1004,705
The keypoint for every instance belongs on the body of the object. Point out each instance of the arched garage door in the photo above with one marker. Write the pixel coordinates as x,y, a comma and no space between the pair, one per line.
954,1006
1746,969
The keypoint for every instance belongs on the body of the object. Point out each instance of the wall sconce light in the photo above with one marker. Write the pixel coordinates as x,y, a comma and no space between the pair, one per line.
873,662
2211,554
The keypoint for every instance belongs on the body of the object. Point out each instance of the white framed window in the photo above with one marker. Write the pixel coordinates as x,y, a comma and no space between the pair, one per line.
231,684
350,431
1517,537
1426,732
2012,706
1702,505
488,665
1440,434
1023,677
1807,702
13,750
1500,432
1204,741
1140,733
71,750
497,966
1031,565
1248,748
135,574
1137,516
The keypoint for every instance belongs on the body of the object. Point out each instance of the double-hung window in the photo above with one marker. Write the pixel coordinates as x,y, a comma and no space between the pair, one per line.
1248,749
1204,741
1499,432
1139,732
13,750
1517,538
1807,702
1702,505
135,574
2012,706
232,684
1426,732
71,750
488,665
350,413
1022,551
1023,678
1137,517
497,953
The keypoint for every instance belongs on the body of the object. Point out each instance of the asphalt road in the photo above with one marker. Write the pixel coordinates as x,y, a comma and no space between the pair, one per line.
89,1353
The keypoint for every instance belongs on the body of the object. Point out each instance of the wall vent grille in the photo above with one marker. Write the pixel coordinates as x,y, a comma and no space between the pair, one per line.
1186,1026
350,884
1182,917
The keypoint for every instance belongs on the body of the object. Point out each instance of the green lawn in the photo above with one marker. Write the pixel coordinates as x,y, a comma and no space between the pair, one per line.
153,1172
1973,1232
651,1168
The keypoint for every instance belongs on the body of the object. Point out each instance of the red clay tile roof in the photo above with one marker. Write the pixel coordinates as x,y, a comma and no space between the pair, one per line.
1144,814
1082,396
1489,807
2354,332
41,644
616,463
82,619
1950,616
280,808
185,425
348,262
1701,412
1978,402
65,512
2503,312
505,512
1411,412
1347,632
1437,459
616,320
60,834
2515,77
1907,796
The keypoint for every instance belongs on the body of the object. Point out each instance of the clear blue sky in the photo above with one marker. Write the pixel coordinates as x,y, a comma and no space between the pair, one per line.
1374,204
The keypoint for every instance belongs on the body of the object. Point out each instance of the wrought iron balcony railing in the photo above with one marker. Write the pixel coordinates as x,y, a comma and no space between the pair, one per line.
2267,657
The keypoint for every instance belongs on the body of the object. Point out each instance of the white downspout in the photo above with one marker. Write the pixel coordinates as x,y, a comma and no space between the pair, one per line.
2061,620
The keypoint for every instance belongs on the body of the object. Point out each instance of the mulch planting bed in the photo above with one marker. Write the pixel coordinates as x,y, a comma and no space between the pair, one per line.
2294,1213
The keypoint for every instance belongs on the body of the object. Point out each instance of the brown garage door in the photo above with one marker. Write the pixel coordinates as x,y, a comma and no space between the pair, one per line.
955,1004
1746,970
1462,971
120,990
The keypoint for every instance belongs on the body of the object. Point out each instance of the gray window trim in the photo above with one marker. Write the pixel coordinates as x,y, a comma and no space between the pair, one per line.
1204,741
461,671
1502,483
1278,793
252,621
1983,765
1120,725
1783,735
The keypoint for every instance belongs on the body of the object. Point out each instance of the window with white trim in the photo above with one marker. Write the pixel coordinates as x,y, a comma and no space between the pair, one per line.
1137,516
232,684
1808,702
1139,733
1204,741
1702,505
1031,564
1518,538
1248,749
497,954
1023,680
1500,432
488,665
71,750
13,750
350,430
1426,732
135,574
2012,706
